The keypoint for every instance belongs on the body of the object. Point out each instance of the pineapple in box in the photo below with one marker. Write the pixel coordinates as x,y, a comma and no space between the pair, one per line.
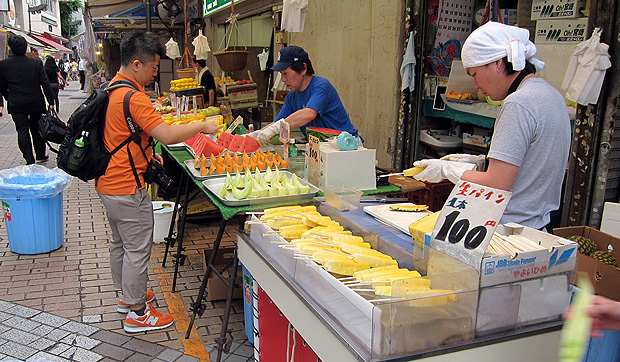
604,257
586,246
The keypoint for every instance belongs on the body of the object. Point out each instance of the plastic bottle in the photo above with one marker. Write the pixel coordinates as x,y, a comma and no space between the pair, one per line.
77,154
292,149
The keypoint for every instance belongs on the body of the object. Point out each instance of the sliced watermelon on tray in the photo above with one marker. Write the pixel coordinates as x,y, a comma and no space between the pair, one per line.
211,148
249,145
200,144
225,139
190,142
236,143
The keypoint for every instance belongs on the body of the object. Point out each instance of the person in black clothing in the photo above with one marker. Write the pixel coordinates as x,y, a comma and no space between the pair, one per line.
205,79
54,77
63,73
21,80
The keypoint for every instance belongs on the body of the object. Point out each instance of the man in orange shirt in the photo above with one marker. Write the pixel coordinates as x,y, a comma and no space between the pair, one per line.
123,193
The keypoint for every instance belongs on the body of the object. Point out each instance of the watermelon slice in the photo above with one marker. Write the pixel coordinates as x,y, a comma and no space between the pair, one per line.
322,133
190,142
236,143
200,144
249,145
225,139
211,148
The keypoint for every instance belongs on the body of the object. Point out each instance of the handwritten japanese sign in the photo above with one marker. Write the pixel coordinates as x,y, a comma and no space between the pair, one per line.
467,221
312,155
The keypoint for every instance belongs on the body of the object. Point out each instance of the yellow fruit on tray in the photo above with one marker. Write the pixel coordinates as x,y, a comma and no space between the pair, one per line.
423,226
410,208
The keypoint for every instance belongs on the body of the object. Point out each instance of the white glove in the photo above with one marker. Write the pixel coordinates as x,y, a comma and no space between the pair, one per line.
264,136
437,170
478,160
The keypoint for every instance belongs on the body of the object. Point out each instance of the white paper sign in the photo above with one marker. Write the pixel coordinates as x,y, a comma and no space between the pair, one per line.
285,132
312,159
467,221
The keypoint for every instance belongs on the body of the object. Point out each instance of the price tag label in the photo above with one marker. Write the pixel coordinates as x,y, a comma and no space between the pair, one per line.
312,157
285,132
467,221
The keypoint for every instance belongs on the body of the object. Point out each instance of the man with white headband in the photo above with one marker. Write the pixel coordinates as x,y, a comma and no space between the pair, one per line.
531,138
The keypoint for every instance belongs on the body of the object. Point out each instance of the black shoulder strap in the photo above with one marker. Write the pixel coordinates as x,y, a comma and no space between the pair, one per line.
133,129
515,84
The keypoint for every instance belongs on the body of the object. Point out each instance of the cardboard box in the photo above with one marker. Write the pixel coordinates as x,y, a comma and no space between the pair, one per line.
603,277
244,104
561,31
560,257
242,92
557,9
478,140
216,289
279,95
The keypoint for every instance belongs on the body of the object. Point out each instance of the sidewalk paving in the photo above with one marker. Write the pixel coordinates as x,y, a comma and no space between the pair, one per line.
62,305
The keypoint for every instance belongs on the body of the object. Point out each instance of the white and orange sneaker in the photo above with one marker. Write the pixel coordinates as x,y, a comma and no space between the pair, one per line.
125,308
150,321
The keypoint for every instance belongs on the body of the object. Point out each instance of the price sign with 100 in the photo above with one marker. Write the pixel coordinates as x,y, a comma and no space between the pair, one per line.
467,221
313,159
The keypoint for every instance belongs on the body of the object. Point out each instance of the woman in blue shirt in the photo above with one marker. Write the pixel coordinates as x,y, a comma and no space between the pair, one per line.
312,101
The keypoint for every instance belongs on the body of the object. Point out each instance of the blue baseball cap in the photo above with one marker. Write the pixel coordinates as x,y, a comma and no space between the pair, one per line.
289,55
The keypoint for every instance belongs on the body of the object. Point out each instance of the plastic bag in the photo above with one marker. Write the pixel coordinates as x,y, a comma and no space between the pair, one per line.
32,182
172,49
201,46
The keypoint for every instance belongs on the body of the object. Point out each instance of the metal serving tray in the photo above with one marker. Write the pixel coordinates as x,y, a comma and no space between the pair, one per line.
214,183
196,172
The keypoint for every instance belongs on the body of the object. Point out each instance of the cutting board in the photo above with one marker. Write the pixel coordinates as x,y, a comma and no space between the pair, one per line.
396,219
407,184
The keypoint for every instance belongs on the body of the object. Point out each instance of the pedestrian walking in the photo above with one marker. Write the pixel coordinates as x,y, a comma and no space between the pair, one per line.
82,68
55,78
21,80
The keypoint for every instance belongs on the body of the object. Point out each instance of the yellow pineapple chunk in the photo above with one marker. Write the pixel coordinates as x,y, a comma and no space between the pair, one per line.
294,227
292,234
375,260
323,256
383,290
345,267
410,172
423,226
360,274
277,224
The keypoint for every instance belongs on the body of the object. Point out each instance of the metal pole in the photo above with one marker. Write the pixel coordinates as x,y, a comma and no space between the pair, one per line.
148,15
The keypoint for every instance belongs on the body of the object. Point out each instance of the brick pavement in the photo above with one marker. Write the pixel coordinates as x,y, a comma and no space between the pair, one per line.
62,305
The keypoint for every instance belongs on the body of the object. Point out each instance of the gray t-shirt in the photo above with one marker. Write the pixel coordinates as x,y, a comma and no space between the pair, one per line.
533,131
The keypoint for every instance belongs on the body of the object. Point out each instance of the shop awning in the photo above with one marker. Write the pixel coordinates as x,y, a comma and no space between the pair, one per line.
100,8
29,40
61,48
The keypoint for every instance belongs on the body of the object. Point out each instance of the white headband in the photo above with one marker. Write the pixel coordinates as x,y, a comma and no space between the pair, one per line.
494,41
